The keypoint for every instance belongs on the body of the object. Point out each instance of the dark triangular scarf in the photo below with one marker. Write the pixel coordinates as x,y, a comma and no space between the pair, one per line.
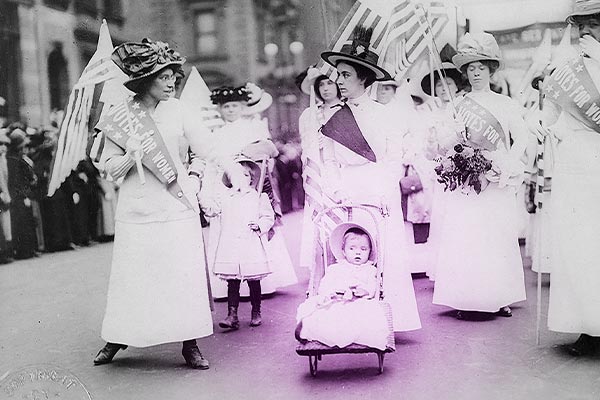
342,128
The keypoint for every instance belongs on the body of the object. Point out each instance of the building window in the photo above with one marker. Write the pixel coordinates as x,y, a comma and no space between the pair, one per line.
58,4
86,7
10,67
58,78
207,33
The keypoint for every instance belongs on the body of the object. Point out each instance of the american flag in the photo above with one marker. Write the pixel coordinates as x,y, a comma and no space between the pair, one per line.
82,111
196,93
402,30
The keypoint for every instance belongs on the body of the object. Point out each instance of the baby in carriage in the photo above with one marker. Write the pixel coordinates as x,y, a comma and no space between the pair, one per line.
345,310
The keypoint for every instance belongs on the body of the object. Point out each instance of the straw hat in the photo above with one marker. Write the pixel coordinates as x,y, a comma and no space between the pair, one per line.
357,51
337,239
476,47
583,8
309,80
140,60
448,70
18,138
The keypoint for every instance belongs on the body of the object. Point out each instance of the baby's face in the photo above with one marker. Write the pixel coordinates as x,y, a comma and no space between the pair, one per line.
357,249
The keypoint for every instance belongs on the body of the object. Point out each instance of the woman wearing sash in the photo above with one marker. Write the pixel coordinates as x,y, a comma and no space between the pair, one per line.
157,290
574,215
358,166
479,264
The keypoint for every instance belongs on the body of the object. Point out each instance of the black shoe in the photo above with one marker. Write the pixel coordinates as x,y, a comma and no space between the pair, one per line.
107,353
231,322
256,319
193,357
504,312
584,345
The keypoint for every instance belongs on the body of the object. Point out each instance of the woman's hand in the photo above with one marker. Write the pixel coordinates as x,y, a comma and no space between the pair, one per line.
590,47
536,127
133,146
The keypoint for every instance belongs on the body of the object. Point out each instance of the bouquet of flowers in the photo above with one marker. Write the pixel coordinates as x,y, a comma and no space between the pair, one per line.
463,167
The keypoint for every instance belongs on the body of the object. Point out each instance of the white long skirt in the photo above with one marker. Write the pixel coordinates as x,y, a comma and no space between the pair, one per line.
479,265
575,288
366,184
157,290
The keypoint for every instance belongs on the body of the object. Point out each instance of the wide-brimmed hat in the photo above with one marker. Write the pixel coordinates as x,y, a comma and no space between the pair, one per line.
476,47
309,79
390,82
140,60
582,8
226,94
254,172
358,52
18,138
448,70
337,239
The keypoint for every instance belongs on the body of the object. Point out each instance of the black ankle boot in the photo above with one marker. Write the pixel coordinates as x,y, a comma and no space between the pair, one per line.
232,321
107,353
193,356
584,345
256,319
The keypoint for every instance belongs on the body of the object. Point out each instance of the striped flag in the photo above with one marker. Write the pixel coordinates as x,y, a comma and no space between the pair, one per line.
82,111
195,93
316,199
400,32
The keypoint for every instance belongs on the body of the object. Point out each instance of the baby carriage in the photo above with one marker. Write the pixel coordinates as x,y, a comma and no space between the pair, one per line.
326,222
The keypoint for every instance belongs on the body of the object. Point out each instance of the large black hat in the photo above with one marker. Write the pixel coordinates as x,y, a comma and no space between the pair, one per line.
226,94
140,60
358,51
447,70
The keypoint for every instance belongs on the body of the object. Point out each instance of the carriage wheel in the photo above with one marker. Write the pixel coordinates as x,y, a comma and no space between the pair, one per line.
312,363
380,356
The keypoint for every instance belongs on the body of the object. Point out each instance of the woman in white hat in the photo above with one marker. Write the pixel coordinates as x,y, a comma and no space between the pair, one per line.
327,97
157,290
479,264
574,215
358,167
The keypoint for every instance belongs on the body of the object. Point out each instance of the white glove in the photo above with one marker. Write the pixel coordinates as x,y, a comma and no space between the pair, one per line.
133,145
535,127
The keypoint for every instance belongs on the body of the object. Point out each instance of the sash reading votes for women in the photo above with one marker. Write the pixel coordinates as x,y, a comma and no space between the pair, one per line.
114,124
571,87
484,130
342,128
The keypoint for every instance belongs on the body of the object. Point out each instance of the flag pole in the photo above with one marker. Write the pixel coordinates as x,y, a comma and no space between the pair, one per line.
538,316
437,59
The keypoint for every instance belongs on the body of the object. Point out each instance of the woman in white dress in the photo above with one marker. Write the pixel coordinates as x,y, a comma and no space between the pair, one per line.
328,94
357,166
574,215
157,290
441,136
479,264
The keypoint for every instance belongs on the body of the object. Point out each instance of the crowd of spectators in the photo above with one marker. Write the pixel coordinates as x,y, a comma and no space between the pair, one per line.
79,213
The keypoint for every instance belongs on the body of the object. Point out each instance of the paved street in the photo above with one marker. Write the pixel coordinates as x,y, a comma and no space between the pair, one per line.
51,310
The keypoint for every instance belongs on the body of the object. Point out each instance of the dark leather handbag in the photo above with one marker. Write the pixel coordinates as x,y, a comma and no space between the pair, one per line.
411,183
